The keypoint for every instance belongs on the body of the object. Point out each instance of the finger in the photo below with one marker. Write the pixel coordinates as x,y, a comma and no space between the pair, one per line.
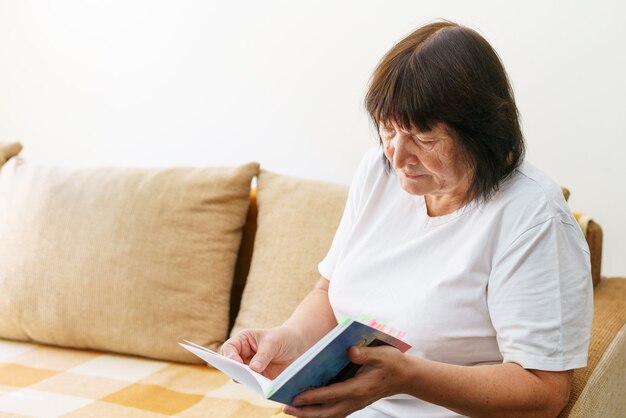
358,355
339,409
267,350
231,351
365,355
304,411
331,393
241,347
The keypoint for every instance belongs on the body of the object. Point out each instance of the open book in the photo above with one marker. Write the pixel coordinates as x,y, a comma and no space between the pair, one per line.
323,364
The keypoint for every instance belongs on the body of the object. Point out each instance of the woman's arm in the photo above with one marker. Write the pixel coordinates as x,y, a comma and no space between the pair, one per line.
490,390
313,317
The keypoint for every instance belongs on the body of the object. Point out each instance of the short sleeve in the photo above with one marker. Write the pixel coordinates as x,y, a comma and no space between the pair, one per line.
327,266
540,298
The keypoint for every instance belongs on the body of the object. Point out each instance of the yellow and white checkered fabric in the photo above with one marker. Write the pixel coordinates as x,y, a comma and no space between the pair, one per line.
44,381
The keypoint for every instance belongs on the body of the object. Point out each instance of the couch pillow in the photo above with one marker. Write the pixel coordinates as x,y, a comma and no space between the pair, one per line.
119,259
296,223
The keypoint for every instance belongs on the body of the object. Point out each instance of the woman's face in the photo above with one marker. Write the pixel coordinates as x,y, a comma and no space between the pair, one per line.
427,163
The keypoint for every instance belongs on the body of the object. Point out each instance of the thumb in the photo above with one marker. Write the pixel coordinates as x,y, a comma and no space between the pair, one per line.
362,355
265,354
357,354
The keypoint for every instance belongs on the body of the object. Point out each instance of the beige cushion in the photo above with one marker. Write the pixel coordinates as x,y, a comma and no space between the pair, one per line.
296,224
125,260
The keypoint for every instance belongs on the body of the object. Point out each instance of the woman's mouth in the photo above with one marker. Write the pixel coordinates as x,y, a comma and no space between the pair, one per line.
412,175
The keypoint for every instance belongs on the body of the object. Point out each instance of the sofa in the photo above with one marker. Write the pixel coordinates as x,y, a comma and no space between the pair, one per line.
104,270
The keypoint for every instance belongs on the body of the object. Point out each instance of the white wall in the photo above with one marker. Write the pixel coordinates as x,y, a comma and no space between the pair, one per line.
153,82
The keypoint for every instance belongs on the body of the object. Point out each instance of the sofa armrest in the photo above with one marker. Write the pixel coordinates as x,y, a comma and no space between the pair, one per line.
594,240
599,390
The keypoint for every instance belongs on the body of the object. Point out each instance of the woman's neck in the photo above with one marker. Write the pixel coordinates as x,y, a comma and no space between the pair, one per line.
440,205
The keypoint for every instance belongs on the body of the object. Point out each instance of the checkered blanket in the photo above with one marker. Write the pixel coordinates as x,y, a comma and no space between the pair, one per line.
44,381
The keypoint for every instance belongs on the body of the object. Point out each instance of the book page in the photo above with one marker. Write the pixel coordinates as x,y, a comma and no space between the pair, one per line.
240,372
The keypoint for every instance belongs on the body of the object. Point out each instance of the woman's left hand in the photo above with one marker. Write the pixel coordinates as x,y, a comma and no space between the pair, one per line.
381,375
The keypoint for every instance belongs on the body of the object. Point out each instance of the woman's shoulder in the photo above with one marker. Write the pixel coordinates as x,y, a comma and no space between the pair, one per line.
529,204
528,201
531,191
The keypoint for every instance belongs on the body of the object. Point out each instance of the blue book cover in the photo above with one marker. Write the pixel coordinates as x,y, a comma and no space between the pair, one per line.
324,363
331,363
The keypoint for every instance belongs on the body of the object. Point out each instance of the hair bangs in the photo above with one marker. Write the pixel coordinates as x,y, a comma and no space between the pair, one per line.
402,95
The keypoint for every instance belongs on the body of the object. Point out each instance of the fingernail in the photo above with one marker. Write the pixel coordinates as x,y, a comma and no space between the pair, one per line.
255,364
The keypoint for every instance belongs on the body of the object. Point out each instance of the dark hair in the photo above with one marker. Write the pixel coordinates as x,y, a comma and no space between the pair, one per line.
444,72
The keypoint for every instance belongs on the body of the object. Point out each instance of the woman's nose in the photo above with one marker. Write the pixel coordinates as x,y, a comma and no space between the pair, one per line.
403,154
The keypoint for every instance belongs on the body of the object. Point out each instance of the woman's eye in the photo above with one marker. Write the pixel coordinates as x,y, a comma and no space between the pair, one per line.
388,132
421,141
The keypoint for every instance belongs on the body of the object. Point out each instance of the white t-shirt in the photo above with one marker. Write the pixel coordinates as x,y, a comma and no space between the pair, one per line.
504,281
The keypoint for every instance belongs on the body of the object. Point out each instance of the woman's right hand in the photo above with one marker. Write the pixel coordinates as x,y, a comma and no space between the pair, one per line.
267,351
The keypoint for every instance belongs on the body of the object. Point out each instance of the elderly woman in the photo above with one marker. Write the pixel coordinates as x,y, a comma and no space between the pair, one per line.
451,238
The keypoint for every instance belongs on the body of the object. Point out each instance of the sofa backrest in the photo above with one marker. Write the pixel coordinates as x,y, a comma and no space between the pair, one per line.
295,225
